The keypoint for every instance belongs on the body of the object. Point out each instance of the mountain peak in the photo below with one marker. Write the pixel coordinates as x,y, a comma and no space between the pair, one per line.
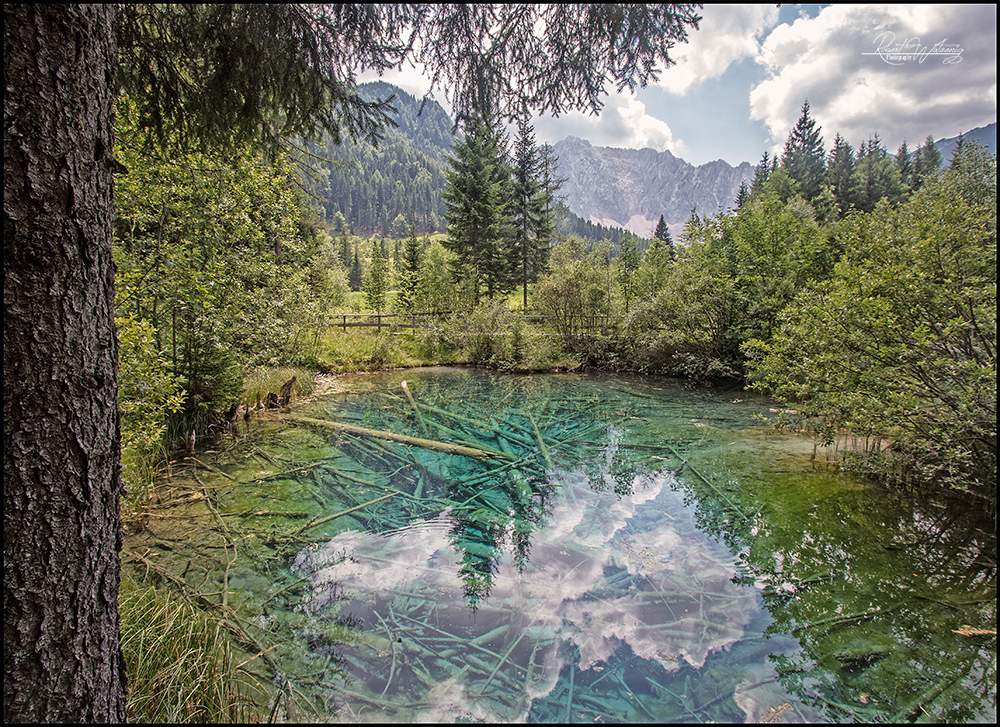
631,188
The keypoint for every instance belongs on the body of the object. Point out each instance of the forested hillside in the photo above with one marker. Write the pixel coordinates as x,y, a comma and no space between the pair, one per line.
371,186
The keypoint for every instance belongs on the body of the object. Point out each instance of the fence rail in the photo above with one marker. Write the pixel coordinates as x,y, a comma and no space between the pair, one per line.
427,320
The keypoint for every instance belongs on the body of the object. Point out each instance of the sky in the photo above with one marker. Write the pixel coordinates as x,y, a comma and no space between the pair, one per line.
737,89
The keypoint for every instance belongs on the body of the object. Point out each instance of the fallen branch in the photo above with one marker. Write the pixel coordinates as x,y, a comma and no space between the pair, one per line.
320,520
455,449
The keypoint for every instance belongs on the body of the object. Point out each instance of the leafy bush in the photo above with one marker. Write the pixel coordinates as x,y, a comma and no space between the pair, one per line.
902,338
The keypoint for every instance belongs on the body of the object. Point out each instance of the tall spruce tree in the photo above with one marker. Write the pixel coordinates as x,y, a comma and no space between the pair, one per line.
409,272
203,74
839,172
761,172
531,214
804,157
662,233
477,198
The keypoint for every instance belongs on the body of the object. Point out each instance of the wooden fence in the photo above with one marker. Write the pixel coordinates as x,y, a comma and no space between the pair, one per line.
429,320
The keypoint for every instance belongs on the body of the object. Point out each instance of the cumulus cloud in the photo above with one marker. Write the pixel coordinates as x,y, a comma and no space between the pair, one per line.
726,34
832,61
623,123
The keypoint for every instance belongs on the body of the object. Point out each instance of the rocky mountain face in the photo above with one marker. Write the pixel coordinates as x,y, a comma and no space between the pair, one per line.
631,188
985,135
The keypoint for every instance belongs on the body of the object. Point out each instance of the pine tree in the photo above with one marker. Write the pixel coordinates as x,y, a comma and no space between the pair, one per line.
839,172
355,277
409,273
628,264
662,233
804,157
376,281
531,210
904,162
761,173
742,195
477,198
927,163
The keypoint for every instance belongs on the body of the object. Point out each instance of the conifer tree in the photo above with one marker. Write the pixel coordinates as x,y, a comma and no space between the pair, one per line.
376,281
839,172
531,210
409,273
904,162
927,163
477,197
761,173
804,157
742,195
628,264
354,277
662,233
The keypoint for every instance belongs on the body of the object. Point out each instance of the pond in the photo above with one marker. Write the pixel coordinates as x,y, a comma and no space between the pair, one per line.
468,546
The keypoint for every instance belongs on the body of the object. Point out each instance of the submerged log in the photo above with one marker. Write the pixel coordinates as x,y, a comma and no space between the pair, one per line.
455,449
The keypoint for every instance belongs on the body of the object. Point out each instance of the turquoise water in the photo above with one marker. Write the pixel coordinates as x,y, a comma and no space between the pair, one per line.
620,549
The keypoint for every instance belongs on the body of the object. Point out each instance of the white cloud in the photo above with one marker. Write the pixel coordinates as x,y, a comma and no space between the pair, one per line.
725,34
822,59
623,123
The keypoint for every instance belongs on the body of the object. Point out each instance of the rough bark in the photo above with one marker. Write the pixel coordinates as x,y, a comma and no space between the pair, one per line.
62,527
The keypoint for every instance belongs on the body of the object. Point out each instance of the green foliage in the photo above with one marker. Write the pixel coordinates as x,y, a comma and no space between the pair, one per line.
212,252
627,266
804,157
146,392
182,665
875,178
901,341
435,291
376,283
477,196
575,293
409,273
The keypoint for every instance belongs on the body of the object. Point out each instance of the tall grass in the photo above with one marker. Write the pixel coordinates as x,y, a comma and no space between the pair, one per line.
260,381
180,662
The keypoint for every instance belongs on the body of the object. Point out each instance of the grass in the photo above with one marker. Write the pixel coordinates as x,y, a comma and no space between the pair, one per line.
181,664
260,381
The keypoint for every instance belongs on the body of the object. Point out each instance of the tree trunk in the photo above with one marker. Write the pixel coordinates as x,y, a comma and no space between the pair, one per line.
62,525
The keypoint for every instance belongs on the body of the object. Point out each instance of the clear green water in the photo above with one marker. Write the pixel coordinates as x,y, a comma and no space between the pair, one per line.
633,551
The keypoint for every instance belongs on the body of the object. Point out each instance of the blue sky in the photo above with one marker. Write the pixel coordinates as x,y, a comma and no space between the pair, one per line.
738,86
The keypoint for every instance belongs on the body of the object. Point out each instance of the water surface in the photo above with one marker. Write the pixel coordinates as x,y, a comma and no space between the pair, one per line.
628,550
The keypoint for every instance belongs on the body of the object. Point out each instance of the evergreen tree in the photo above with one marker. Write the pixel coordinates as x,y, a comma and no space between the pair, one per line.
927,163
531,215
904,162
839,172
957,151
760,173
345,250
628,264
875,178
662,233
354,277
804,157
409,273
742,195
376,281
476,194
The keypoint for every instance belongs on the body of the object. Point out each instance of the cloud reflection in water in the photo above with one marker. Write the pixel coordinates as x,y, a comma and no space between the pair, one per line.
606,570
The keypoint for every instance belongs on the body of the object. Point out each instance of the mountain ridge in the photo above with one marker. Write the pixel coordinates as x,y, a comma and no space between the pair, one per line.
631,188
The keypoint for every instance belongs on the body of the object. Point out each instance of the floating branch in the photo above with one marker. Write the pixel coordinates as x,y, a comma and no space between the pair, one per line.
444,447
